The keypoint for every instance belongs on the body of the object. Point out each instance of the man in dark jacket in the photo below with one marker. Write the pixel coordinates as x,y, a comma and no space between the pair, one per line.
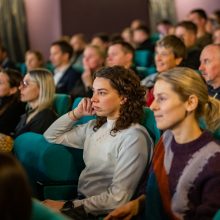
65,76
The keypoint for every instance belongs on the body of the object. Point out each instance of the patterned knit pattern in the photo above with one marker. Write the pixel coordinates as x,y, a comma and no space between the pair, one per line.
182,177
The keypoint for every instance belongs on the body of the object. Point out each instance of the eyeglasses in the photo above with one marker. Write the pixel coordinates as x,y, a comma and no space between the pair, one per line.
26,83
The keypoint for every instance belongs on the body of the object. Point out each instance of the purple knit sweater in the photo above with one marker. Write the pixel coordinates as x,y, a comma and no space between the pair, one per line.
194,177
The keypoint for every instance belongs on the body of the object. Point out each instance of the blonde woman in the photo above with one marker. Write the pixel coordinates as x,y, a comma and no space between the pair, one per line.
37,89
184,178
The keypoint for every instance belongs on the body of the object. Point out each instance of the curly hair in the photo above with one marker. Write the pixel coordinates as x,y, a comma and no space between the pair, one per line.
127,84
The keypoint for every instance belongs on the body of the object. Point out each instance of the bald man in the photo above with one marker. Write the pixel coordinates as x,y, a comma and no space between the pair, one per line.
210,68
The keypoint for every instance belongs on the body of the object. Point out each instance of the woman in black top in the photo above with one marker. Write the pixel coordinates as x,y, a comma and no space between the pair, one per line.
38,91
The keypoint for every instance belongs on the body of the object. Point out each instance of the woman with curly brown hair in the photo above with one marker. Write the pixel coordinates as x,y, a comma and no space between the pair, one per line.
116,146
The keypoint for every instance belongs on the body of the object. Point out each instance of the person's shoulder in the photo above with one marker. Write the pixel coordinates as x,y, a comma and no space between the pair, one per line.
47,112
71,70
135,130
214,92
89,125
149,81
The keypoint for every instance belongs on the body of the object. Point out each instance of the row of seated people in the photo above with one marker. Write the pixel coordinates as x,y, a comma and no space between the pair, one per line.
117,150
78,82
74,117
119,53
170,52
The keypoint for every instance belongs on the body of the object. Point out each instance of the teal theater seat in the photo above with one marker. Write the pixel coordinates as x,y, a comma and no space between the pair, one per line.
53,169
154,37
150,124
22,68
62,103
217,215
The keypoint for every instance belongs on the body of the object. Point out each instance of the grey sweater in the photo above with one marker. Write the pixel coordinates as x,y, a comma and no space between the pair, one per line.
114,164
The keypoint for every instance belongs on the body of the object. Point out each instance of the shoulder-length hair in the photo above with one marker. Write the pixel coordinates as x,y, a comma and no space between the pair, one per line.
45,82
127,84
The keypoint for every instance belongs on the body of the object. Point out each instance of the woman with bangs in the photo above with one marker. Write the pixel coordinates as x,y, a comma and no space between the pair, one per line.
117,148
37,90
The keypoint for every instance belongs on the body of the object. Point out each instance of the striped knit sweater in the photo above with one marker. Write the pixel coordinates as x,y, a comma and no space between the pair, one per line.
184,179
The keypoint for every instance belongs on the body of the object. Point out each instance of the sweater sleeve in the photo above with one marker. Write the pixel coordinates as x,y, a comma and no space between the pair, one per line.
210,191
63,131
130,164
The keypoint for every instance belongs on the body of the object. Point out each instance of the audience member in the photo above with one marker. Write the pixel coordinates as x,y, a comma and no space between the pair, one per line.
136,23
120,53
38,91
164,27
65,76
15,195
33,59
127,35
93,59
169,53
199,18
101,40
11,108
210,68
78,43
141,38
184,177
213,21
116,146
216,36
5,61
216,15
186,31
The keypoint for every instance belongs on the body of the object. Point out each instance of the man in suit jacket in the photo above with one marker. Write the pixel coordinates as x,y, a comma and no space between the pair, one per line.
65,76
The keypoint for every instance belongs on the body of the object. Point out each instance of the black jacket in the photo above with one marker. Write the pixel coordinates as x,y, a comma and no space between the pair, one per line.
68,81
11,116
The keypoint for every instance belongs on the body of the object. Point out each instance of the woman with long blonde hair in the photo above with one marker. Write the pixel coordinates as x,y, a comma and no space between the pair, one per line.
184,178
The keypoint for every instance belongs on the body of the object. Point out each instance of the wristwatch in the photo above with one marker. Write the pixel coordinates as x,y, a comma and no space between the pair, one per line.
68,205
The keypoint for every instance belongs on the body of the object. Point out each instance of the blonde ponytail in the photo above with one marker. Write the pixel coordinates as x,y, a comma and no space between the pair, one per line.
212,114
